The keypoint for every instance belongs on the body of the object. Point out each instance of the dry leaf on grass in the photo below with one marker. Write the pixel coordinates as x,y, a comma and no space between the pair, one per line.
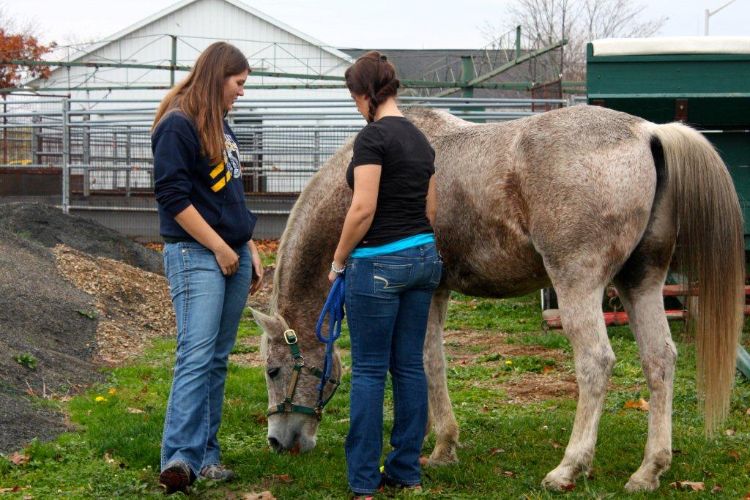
734,454
134,410
716,489
14,489
18,459
641,404
730,432
282,478
688,485
264,495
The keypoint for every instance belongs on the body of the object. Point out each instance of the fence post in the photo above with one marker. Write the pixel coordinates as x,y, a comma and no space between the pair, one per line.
128,161
86,157
35,142
66,156
316,146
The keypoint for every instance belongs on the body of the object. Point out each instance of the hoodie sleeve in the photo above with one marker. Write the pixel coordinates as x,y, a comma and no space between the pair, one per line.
174,156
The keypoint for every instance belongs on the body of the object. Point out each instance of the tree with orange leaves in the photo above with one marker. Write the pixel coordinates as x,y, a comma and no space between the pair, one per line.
20,46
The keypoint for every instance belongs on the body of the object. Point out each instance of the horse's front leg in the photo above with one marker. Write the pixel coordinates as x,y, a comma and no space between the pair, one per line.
441,411
584,326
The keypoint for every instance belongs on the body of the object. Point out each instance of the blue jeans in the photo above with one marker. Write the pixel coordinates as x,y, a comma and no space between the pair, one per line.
387,304
208,307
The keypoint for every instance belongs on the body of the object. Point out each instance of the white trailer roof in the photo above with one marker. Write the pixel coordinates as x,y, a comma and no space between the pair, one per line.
672,45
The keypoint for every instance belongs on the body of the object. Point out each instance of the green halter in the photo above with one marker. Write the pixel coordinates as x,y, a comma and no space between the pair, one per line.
299,364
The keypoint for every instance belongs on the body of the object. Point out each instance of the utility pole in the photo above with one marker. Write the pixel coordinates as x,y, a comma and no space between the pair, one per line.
710,13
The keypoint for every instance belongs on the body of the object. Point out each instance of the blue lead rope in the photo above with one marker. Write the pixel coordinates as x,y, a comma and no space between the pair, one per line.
334,309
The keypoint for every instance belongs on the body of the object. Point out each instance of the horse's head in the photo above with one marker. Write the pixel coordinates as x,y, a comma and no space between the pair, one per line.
292,361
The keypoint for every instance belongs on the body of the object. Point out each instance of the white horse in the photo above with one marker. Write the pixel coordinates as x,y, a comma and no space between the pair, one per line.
575,198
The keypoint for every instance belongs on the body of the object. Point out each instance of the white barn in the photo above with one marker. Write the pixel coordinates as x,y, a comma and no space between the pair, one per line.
269,44
282,155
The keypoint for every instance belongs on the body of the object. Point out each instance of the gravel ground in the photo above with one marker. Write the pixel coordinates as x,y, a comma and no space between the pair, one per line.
48,326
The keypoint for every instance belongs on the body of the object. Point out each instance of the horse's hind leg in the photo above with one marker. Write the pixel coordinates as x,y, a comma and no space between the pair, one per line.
583,323
640,286
441,412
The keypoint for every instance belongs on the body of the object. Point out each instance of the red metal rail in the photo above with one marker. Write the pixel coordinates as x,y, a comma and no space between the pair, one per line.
551,317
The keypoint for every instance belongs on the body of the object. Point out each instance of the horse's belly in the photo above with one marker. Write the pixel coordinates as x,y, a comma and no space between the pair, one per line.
483,270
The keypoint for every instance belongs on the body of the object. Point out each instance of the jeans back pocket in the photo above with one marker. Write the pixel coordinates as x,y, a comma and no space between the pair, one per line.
391,276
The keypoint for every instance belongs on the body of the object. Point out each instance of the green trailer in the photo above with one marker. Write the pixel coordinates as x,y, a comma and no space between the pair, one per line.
702,81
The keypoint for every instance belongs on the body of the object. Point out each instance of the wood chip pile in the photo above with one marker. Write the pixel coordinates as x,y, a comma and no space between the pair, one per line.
132,306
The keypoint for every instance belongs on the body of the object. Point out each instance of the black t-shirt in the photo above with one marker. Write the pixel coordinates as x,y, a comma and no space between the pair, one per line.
408,162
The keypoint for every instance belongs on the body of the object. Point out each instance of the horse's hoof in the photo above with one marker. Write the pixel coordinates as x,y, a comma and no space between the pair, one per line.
635,485
558,482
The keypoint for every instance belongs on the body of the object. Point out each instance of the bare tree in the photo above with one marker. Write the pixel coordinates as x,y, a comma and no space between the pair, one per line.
546,22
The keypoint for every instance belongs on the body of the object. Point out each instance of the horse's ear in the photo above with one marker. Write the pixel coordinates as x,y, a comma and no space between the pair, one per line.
274,326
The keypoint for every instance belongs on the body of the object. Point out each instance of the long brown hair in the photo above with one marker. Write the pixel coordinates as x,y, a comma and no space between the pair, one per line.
374,76
201,95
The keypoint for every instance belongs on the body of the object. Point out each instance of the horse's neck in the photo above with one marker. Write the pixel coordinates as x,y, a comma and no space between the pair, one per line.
305,254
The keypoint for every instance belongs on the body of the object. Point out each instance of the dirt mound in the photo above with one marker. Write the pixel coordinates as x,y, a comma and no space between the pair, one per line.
48,226
54,336
46,340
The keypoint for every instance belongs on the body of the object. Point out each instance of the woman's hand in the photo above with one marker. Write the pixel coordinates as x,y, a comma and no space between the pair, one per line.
332,275
257,266
227,259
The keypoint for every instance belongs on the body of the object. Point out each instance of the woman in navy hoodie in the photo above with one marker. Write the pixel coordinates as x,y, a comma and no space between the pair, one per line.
209,257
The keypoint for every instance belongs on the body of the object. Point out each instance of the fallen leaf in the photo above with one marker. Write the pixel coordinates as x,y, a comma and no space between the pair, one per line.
547,369
747,412
555,444
18,459
641,404
134,410
265,495
108,458
282,478
495,451
688,485
735,455
14,489
716,489
509,473
568,487
730,432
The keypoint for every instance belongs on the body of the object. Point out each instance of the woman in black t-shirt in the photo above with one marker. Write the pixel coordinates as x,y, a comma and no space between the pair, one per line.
387,248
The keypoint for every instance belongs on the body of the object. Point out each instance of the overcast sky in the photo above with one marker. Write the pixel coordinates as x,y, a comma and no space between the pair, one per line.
347,23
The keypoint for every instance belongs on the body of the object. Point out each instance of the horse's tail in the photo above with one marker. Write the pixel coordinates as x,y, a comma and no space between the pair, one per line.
710,252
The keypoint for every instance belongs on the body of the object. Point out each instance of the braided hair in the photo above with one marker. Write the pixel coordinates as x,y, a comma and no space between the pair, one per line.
372,75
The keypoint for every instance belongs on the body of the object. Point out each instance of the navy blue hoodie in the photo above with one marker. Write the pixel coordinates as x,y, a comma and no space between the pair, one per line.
183,176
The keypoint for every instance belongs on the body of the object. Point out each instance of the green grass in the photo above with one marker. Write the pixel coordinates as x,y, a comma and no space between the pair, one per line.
506,448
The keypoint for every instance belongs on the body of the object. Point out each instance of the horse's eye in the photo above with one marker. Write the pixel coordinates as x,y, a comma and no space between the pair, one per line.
272,372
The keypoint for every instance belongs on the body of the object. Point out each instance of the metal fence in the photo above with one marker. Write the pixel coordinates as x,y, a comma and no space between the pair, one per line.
93,157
